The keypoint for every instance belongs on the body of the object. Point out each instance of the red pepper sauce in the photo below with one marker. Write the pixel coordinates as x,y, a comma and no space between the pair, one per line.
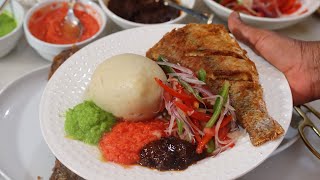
46,24
124,142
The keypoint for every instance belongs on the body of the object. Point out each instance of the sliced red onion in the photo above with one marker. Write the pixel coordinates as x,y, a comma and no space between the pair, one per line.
196,128
172,80
169,129
193,81
228,105
217,140
279,14
175,66
222,148
248,3
234,125
263,7
204,91
212,99
168,106
174,131
188,78
224,142
180,75
235,135
187,126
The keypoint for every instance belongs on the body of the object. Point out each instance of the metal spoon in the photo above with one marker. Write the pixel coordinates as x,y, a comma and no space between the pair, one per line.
208,18
4,176
3,4
72,27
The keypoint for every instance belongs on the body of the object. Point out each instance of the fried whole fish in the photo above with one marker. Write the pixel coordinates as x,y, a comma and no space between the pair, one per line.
210,47
61,58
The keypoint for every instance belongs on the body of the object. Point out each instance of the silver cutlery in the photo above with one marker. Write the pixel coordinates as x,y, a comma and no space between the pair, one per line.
208,18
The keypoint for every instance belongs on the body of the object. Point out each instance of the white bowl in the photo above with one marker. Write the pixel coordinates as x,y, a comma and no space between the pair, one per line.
48,50
267,23
125,24
9,41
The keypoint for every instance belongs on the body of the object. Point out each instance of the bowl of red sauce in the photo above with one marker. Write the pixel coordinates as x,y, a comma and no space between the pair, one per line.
267,14
136,13
43,26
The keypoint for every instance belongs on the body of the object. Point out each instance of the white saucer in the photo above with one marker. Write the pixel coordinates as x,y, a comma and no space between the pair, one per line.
24,153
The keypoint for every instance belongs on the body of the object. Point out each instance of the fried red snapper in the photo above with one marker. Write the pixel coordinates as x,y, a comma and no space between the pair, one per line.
210,47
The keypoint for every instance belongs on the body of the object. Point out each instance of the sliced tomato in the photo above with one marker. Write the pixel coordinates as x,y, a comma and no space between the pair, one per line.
172,92
223,132
293,9
192,113
288,5
282,3
210,132
196,133
224,122
196,123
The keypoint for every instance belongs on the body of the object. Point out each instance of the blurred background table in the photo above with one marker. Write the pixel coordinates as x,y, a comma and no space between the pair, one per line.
295,163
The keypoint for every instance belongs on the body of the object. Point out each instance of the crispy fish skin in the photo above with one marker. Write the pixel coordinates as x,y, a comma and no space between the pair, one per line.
61,58
206,46
210,47
251,111
61,172
194,39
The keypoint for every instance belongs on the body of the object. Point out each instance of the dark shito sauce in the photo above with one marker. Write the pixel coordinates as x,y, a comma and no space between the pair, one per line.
169,153
143,11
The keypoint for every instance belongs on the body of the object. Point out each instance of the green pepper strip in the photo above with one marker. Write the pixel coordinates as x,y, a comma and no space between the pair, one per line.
187,86
210,146
166,69
202,75
219,104
180,126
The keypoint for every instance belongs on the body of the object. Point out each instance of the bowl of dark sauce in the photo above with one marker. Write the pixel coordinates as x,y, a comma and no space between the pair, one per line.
137,13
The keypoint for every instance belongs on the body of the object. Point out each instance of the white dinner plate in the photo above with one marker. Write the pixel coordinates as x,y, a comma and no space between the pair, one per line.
23,154
29,141
66,88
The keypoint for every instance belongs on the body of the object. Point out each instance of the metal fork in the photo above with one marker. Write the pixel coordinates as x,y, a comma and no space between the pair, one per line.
306,122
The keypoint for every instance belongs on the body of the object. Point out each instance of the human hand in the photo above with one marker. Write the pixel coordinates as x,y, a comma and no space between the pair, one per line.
298,60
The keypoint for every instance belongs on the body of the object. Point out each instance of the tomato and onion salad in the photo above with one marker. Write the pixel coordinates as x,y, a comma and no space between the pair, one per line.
196,114
263,8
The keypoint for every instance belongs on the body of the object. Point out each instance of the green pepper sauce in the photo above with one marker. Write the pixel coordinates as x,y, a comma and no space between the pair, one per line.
7,23
87,122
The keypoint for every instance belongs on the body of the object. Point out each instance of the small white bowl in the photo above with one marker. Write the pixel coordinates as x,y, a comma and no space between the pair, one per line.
125,24
267,23
9,41
48,50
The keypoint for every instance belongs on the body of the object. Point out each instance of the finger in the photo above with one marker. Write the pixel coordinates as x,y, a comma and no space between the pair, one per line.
282,52
268,44
253,37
